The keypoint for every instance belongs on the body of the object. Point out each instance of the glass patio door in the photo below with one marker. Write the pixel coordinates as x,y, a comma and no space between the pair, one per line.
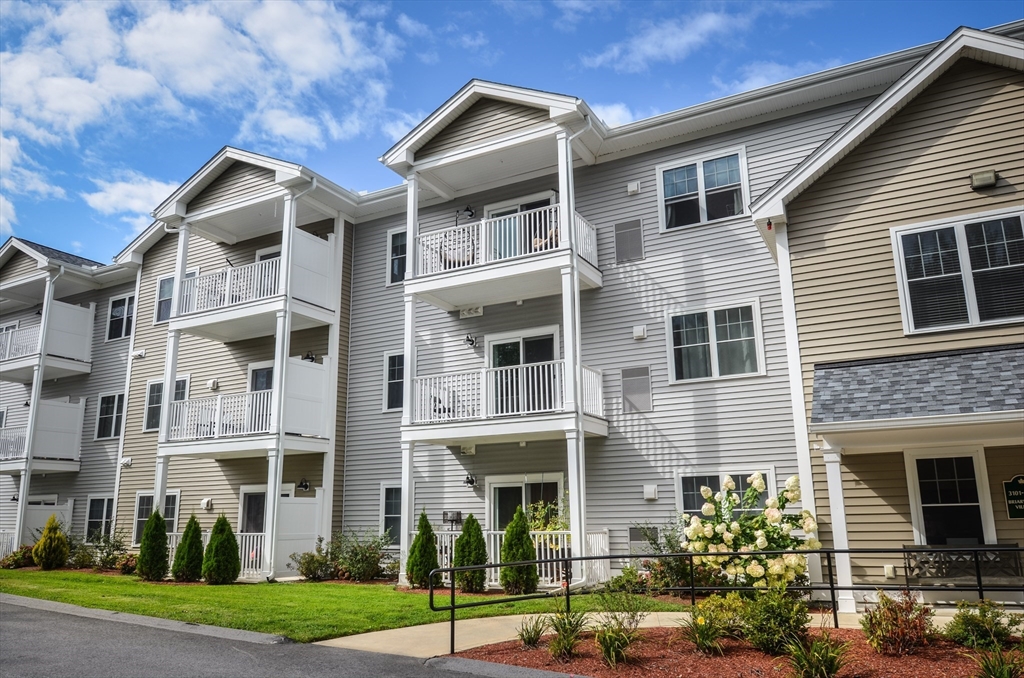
517,388
509,238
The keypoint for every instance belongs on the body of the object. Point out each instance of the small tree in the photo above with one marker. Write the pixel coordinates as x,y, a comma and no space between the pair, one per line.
152,564
221,564
51,551
518,546
422,555
188,559
470,549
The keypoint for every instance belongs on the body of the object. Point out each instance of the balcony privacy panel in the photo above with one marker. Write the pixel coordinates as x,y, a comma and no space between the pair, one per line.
70,332
58,432
305,410
312,268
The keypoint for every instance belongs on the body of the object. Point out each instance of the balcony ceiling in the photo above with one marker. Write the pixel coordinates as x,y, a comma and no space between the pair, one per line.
253,221
24,293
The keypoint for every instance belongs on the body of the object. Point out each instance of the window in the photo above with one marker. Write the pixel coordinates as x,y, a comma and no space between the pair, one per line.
506,493
3,417
704,189
715,342
629,241
691,499
394,381
164,292
636,389
396,256
961,274
949,496
100,518
109,415
154,396
391,513
121,317
144,507
268,253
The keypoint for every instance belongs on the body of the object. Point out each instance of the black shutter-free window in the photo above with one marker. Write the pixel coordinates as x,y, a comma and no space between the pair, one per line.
997,263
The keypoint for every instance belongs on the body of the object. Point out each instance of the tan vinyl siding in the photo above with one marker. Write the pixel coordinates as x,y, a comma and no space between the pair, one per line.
19,265
238,181
1004,463
485,118
877,510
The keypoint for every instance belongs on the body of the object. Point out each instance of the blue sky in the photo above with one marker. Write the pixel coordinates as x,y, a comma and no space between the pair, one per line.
106,107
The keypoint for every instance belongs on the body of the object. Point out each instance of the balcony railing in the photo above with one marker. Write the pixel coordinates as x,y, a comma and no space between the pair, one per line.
221,416
12,442
535,388
250,550
19,343
230,286
500,238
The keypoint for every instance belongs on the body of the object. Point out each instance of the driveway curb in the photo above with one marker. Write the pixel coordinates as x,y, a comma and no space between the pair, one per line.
490,670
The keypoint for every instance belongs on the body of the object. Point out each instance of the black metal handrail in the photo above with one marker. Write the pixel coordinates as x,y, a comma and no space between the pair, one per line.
693,589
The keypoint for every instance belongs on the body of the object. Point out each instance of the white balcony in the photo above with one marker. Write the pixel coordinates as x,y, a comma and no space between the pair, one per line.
523,402
68,345
57,445
493,261
241,302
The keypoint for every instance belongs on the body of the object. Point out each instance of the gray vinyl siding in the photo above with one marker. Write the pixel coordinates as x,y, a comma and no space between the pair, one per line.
485,118
240,180
20,264
98,471
341,422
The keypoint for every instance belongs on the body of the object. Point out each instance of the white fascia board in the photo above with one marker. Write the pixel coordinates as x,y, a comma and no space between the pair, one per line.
971,418
13,244
883,108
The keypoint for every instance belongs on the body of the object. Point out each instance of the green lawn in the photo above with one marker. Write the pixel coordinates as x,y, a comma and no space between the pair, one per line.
304,612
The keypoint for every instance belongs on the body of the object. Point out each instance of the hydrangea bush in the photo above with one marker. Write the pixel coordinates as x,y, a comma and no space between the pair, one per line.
728,530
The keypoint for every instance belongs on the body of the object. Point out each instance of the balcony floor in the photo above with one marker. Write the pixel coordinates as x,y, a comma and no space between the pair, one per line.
20,370
503,429
240,447
15,467
250,320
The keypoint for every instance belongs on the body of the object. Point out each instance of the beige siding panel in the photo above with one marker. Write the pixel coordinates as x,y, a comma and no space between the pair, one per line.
238,181
485,118
19,265
1004,463
877,509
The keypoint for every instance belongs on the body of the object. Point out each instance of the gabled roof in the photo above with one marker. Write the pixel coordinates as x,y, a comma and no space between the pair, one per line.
963,43
43,254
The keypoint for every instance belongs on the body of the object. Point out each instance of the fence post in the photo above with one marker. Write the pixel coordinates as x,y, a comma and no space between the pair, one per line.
832,590
693,589
452,619
566,578
977,574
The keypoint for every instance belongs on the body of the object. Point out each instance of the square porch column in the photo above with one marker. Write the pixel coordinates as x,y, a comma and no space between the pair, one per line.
408,508
840,538
577,477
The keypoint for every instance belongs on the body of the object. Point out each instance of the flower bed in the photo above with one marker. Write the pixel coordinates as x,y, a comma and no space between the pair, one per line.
662,653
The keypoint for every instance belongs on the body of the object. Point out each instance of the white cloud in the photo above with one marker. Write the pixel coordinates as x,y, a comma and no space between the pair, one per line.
132,198
8,217
281,128
429,58
472,41
411,27
400,125
77,247
18,174
763,73
522,10
617,114
574,11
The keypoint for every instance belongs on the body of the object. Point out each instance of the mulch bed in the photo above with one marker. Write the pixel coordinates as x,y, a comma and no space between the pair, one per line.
662,653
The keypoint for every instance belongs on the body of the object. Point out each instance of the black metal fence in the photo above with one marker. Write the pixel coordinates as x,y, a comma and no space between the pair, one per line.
933,568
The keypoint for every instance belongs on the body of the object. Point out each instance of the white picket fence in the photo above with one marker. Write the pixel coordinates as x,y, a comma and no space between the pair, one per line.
250,550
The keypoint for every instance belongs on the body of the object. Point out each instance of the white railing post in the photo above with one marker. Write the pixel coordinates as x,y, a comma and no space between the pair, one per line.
218,417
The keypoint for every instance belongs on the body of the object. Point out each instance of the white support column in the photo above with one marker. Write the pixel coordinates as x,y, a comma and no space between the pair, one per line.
569,330
564,187
577,475
331,457
408,507
38,374
180,266
412,226
409,356
275,464
160,484
840,540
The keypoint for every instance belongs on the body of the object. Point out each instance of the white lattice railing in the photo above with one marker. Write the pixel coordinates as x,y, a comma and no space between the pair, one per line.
586,238
250,550
237,414
593,392
6,543
230,286
12,442
19,343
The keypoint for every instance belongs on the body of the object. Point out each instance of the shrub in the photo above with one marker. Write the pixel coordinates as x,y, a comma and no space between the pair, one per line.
360,556
980,626
532,628
51,551
470,549
999,664
620,617
821,656
110,548
221,563
613,642
127,563
772,620
22,557
316,565
705,632
422,555
727,609
188,559
673,573
152,563
518,546
83,558
629,581
897,626
568,628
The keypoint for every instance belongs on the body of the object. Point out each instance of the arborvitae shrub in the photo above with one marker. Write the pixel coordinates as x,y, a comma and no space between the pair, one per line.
422,555
152,564
221,564
772,620
518,546
470,549
51,551
188,559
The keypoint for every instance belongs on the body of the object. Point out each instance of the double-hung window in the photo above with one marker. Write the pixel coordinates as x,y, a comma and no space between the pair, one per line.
394,381
154,398
960,274
723,341
691,500
391,513
164,292
121,317
699,190
396,256
144,508
110,415
100,518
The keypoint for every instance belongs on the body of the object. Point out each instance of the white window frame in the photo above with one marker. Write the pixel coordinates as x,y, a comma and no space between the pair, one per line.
682,161
755,305
266,250
145,410
384,399
88,505
189,273
380,528
10,327
902,284
135,512
910,457
42,499
520,480
3,416
99,403
287,490
771,484
252,367
387,258
503,337
135,314
550,194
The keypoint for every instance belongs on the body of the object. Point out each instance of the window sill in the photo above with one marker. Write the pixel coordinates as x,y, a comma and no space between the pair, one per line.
724,221
704,380
960,328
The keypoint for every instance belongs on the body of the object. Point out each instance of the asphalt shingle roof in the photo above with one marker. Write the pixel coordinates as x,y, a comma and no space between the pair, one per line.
59,255
989,379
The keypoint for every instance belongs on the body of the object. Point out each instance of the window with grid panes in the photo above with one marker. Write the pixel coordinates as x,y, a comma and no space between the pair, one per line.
702,191
393,514
395,381
725,346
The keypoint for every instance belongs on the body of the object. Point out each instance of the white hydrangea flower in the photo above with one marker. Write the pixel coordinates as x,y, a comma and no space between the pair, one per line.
706,492
773,515
793,483
718,496
730,570
758,483
785,528
708,531
813,544
734,527
755,570
735,498
761,543
720,528
728,537
776,567
744,549
729,484
810,526
695,521
708,509
772,502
